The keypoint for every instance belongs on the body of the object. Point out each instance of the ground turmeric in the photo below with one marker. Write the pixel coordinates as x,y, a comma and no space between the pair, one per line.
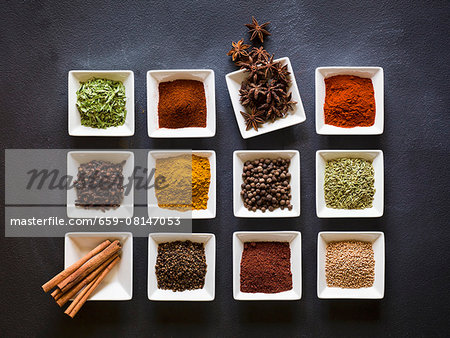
186,182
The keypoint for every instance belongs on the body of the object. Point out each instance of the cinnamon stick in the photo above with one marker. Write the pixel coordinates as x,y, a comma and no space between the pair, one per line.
82,297
57,294
89,266
67,272
64,297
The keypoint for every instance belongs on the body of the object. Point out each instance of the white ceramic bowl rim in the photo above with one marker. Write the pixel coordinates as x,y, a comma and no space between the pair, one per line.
234,80
240,156
294,238
376,74
154,77
207,293
74,121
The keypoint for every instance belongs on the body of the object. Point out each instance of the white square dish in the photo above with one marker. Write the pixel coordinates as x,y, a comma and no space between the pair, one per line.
377,77
234,81
240,157
118,284
75,126
376,156
155,77
295,243
152,204
76,158
374,292
207,293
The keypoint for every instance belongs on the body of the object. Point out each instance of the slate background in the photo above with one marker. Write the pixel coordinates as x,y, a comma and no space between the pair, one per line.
41,41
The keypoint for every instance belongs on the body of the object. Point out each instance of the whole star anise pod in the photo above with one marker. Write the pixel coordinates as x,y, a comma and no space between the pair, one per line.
271,111
253,119
288,103
245,96
254,68
260,54
270,66
275,92
238,50
264,91
256,89
281,73
257,30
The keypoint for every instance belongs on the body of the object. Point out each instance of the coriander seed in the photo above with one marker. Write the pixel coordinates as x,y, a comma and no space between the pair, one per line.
350,264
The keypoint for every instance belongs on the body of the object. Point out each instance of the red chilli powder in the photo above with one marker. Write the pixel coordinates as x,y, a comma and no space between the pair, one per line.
349,101
182,104
266,267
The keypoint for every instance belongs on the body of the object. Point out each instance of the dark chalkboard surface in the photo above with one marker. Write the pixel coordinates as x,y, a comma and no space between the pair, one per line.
41,41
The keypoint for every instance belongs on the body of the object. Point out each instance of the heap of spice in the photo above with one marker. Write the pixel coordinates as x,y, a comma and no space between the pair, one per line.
186,180
99,184
182,104
80,279
266,267
265,90
349,101
101,103
266,184
180,266
350,264
349,183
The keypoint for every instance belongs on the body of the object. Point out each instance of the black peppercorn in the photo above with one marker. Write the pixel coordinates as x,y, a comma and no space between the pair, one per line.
181,266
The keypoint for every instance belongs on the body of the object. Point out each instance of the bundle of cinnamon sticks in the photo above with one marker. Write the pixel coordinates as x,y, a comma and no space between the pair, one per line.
81,278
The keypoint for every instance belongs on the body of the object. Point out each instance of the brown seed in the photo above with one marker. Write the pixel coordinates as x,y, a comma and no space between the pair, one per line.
349,264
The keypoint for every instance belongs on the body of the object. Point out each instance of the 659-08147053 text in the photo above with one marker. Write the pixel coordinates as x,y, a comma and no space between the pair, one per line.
113,221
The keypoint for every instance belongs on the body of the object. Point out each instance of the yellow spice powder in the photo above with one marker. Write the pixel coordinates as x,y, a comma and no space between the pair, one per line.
186,182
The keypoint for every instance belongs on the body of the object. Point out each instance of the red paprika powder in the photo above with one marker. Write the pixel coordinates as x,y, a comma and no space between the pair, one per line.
266,267
182,104
349,101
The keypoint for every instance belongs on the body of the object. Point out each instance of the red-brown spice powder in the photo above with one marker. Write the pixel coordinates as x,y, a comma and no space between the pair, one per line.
266,267
182,104
349,101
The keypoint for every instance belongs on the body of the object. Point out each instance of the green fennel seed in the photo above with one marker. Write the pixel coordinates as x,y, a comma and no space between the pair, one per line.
349,183
101,103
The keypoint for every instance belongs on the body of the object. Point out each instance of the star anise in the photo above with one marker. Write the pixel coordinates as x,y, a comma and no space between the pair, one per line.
254,68
271,111
274,93
264,91
253,119
257,30
245,97
256,89
270,66
260,54
288,103
238,50
281,72
277,113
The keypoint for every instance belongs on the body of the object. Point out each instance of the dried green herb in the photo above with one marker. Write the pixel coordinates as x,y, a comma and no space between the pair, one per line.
349,183
101,103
